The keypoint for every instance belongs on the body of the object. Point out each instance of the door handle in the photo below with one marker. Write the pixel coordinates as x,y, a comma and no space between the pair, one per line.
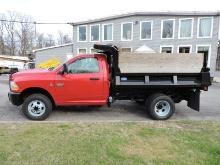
94,78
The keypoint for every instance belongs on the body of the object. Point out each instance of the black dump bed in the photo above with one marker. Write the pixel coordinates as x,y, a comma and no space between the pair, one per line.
153,80
139,86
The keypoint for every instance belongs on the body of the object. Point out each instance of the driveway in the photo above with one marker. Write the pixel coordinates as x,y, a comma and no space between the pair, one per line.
120,110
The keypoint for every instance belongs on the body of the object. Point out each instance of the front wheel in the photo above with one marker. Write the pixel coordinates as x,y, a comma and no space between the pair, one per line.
37,107
160,106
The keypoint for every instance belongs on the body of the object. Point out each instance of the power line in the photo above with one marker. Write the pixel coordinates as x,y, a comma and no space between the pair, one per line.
51,23
45,40
3,20
42,23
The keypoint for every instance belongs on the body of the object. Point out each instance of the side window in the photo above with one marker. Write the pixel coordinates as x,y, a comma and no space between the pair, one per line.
84,65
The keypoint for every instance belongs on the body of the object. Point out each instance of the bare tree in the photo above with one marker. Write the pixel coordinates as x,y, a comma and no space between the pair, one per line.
18,35
44,40
10,37
40,40
60,37
2,43
63,38
67,39
25,35
50,40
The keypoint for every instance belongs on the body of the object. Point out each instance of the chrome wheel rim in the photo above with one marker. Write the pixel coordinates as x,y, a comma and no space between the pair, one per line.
36,108
162,108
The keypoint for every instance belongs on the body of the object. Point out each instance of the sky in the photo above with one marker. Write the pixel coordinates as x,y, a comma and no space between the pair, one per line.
80,10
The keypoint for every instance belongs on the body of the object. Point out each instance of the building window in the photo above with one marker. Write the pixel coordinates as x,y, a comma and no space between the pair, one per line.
184,49
146,30
94,32
126,50
205,27
107,32
168,29
204,49
166,49
185,28
82,33
69,56
93,51
82,51
127,30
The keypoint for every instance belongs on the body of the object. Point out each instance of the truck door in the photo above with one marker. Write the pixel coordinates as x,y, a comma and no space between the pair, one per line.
83,83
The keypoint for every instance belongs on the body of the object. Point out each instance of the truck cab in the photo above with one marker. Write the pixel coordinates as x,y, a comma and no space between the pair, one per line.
85,78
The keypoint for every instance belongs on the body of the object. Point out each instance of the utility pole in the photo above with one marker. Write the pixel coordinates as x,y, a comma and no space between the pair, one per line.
35,34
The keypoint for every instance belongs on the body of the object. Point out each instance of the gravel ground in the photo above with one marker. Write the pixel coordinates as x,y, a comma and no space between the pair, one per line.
120,110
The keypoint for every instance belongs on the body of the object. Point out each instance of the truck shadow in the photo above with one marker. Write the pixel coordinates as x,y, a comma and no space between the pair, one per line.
120,107
78,108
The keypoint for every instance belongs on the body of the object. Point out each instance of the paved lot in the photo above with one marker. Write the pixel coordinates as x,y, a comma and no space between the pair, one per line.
120,111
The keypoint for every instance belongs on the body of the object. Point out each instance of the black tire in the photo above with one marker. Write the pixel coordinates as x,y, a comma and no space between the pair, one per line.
155,105
44,100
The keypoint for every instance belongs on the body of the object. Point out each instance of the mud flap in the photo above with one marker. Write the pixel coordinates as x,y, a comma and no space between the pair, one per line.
194,100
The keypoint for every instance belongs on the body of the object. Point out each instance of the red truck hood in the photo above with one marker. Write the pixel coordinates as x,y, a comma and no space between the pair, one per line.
31,72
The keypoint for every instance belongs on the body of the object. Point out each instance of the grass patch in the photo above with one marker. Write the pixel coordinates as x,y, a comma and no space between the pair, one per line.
167,142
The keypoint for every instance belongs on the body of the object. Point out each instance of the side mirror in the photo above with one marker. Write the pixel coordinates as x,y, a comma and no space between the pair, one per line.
65,69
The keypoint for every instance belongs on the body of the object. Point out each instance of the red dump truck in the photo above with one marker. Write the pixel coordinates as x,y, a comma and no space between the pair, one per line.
96,79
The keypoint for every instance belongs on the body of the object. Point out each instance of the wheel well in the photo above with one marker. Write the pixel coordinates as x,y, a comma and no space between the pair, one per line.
29,91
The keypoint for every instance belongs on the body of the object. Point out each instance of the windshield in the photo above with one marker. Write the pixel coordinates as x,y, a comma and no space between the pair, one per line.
55,68
60,65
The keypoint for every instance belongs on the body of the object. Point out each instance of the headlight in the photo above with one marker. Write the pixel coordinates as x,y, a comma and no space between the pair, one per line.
14,86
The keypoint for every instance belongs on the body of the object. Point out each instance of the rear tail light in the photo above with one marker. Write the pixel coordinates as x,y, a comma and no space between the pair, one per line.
205,88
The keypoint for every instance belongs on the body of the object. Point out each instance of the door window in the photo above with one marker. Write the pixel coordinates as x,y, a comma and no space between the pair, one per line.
84,65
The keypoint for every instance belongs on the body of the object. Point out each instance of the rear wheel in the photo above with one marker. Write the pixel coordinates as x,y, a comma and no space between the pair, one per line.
160,106
37,107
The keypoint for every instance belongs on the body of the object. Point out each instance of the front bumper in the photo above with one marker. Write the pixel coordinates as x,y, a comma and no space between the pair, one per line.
15,98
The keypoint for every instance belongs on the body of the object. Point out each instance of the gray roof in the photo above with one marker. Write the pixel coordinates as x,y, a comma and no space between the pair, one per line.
167,13
52,47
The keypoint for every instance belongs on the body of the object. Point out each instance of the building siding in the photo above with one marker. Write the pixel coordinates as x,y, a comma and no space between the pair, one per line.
218,60
58,52
156,40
